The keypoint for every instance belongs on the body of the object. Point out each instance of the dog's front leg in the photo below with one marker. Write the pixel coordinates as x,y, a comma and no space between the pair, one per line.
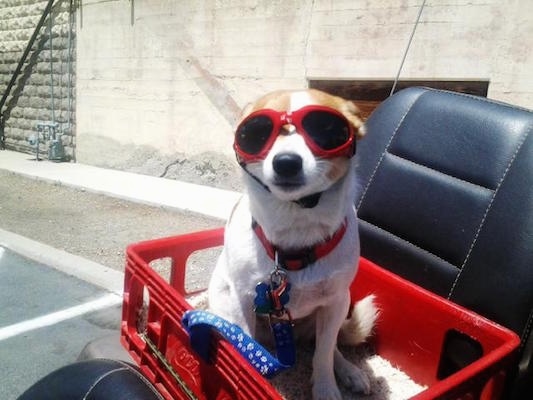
329,319
231,303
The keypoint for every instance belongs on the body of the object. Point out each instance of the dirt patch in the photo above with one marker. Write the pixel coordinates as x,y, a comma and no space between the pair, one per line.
93,226
210,168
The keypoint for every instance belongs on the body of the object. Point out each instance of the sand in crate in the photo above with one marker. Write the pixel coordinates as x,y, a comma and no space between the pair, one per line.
387,382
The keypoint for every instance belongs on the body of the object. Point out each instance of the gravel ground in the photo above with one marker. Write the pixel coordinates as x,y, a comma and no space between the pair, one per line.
90,225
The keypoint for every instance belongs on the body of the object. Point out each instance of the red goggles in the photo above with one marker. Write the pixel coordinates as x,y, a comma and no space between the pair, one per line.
325,130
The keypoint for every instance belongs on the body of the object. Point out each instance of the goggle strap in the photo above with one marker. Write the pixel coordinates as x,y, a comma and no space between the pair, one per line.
243,166
309,201
305,202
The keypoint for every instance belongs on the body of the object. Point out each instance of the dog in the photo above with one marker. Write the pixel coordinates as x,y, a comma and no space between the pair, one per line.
296,149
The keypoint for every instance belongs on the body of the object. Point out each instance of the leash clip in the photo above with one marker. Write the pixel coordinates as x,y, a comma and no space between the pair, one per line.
270,301
279,290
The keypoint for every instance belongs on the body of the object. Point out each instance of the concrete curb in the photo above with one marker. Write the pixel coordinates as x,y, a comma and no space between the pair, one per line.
183,196
70,264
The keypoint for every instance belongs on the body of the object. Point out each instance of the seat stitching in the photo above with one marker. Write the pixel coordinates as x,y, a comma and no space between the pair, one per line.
385,150
481,99
100,379
527,330
526,345
410,243
142,377
489,207
124,367
442,173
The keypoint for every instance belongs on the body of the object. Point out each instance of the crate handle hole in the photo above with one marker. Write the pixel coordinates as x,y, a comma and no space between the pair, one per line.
163,266
199,267
458,351
142,311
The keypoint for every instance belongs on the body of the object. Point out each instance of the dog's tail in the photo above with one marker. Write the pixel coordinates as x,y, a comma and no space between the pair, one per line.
359,325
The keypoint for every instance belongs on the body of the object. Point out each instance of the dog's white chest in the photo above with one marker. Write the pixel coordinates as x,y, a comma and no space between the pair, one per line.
306,295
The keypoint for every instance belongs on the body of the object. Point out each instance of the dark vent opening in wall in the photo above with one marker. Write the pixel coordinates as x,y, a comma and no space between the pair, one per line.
368,94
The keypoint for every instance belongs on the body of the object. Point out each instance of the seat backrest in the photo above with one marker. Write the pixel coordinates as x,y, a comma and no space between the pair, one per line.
446,201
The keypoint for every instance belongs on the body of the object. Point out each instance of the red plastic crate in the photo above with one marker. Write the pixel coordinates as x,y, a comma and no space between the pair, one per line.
411,333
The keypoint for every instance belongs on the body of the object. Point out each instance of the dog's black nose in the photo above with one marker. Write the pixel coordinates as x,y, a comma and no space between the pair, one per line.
287,165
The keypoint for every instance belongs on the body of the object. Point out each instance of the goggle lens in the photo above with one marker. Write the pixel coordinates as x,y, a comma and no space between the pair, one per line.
252,136
329,131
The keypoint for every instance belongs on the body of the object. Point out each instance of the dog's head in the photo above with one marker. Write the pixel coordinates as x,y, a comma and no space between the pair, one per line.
297,143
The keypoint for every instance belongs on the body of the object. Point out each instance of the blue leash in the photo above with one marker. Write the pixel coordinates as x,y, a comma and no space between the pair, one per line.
200,323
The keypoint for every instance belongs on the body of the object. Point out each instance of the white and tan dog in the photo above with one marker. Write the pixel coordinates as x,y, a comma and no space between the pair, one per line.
297,149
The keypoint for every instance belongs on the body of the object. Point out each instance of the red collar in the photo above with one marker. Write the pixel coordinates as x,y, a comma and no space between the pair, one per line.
296,259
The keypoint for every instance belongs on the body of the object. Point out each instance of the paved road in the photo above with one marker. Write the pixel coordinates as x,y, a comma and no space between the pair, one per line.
46,319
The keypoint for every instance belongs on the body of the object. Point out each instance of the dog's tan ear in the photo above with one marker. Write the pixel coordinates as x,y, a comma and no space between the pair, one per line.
353,114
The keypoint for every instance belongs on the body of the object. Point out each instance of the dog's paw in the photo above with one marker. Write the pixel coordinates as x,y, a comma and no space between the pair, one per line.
351,376
326,391
355,380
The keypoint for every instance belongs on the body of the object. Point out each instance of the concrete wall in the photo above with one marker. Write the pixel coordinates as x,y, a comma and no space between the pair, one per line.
32,97
161,81
458,39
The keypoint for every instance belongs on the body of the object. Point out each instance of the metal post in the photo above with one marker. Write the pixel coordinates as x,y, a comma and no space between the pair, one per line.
2,135
56,151
69,77
407,48
50,23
